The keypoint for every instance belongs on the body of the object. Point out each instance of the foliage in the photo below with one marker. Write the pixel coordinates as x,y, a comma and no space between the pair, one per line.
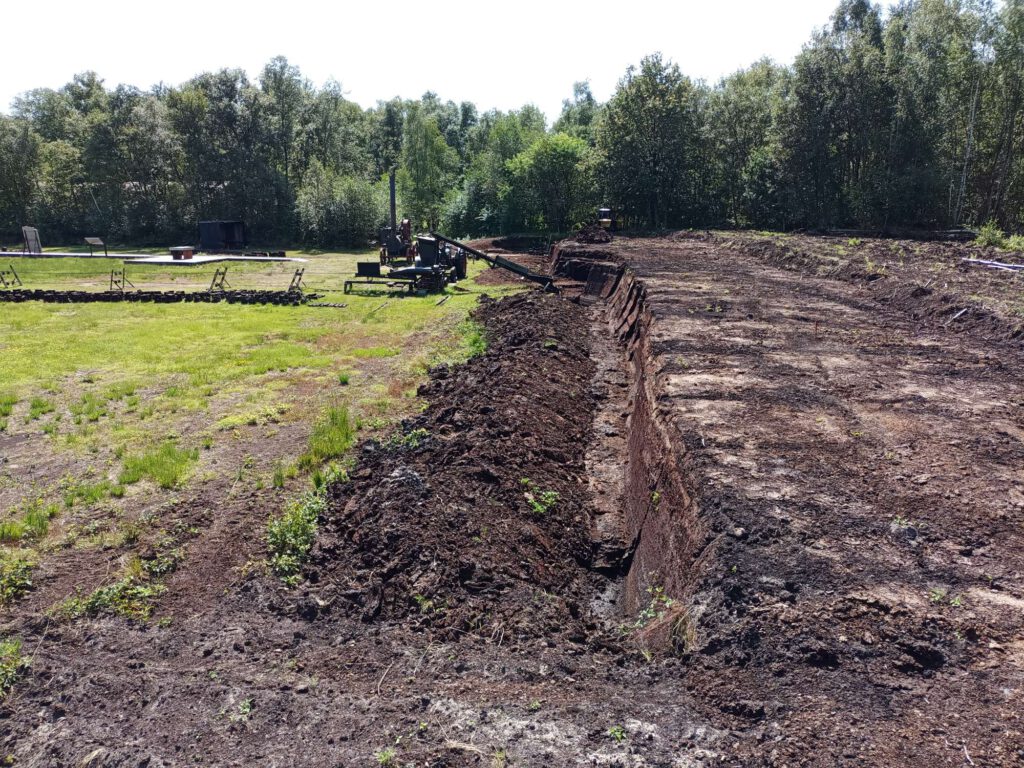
291,535
540,502
989,234
553,182
649,136
12,663
131,597
617,733
15,576
910,117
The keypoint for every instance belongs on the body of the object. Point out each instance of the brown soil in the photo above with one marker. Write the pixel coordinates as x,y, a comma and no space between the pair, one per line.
787,531
593,234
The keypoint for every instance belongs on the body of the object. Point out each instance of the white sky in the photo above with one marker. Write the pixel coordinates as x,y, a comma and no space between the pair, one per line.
499,55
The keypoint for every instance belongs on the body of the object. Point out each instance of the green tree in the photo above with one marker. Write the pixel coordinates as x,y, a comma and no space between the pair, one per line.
427,163
579,113
648,136
554,180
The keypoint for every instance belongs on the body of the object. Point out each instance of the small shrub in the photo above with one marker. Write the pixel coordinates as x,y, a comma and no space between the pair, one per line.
989,234
386,757
540,502
11,663
344,378
1014,243
131,597
617,733
291,536
278,478
15,577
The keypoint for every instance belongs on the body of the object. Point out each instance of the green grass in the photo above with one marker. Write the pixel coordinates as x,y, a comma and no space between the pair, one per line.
33,522
376,352
167,465
7,402
474,341
38,407
90,493
332,436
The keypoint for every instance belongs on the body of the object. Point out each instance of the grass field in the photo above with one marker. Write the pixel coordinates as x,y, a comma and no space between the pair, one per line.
107,410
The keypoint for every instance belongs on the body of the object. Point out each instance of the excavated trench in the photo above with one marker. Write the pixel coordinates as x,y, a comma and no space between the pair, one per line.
647,528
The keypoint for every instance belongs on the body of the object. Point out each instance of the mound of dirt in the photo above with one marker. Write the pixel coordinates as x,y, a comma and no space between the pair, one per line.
475,516
593,235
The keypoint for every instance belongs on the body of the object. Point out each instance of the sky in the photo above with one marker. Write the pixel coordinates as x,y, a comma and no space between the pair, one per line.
497,55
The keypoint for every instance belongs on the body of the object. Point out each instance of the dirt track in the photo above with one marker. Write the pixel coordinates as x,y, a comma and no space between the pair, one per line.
787,531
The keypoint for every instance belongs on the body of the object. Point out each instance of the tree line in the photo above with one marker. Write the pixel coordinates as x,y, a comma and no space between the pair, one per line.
913,117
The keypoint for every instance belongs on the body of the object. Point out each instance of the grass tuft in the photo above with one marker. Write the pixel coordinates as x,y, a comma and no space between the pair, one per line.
37,407
332,436
33,523
7,403
167,465
474,340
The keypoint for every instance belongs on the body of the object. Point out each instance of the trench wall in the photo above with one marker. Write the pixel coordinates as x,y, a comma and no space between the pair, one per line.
661,521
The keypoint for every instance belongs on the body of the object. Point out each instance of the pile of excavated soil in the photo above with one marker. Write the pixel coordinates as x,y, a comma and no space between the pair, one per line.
593,234
436,526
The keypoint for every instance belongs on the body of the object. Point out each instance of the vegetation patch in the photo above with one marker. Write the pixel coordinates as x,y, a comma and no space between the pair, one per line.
291,536
254,418
128,597
540,502
132,596
12,663
90,493
166,465
15,576
7,403
33,522
38,407
332,436
376,352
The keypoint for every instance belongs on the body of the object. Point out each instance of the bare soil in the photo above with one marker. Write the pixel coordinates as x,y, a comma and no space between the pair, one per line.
724,501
